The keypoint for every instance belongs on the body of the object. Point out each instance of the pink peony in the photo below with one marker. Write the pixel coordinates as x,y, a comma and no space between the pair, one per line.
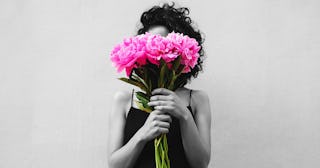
129,54
187,47
136,51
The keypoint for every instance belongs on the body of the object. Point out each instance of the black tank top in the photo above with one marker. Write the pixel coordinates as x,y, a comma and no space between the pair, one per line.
135,120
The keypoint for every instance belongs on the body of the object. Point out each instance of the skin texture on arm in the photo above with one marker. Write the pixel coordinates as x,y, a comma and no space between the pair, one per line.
125,156
195,132
121,156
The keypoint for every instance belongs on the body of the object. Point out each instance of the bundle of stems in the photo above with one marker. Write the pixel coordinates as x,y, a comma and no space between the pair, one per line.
148,78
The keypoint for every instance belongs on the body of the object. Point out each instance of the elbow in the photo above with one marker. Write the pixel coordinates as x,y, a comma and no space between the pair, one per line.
206,160
112,163
202,162
207,157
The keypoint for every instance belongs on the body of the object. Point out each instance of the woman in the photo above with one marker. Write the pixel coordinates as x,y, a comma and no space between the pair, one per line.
183,114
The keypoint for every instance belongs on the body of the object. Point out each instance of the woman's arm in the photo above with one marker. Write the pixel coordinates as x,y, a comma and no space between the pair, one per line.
196,132
124,157
121,156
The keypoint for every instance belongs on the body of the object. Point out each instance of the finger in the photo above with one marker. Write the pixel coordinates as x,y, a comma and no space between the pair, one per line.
162,124
161,91
163,130
164,118
157,112
159,97
163,108
157,103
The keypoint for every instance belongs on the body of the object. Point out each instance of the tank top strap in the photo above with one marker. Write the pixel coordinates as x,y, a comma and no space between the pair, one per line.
190,97
132,97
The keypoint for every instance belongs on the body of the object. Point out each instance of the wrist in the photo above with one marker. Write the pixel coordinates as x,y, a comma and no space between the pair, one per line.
140,137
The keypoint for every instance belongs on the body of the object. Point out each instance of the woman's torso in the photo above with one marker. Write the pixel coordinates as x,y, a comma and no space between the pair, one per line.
135,120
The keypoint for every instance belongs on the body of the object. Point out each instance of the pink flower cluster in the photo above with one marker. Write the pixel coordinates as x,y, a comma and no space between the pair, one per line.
135,51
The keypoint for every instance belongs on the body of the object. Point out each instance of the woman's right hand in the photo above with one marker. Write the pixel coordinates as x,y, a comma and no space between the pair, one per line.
157,123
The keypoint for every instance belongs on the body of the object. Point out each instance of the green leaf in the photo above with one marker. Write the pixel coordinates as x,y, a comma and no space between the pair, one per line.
133,82
144,99
143,96
140,106
138,78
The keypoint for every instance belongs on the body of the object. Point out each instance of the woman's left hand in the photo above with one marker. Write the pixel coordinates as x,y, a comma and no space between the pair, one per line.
168,101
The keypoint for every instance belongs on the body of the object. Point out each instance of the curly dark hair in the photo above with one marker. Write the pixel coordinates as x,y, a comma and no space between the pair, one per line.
177,20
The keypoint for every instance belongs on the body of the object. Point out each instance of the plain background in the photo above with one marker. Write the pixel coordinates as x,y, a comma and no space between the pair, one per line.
262,74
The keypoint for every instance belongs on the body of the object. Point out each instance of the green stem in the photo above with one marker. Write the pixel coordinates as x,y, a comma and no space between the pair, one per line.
161,152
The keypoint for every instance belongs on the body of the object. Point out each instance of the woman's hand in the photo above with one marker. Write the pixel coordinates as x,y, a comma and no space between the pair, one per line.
158,122
168,101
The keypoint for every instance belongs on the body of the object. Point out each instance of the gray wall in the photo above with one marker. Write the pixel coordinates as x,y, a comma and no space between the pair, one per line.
262,74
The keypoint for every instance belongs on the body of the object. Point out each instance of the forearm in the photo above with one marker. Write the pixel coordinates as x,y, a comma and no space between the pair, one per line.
128,154
197,151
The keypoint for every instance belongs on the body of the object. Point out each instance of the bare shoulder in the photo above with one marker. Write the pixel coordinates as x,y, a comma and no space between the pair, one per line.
121,101
199,96
122,96
201,101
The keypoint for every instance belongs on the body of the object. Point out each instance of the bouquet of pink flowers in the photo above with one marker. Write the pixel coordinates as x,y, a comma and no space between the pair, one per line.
152,61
